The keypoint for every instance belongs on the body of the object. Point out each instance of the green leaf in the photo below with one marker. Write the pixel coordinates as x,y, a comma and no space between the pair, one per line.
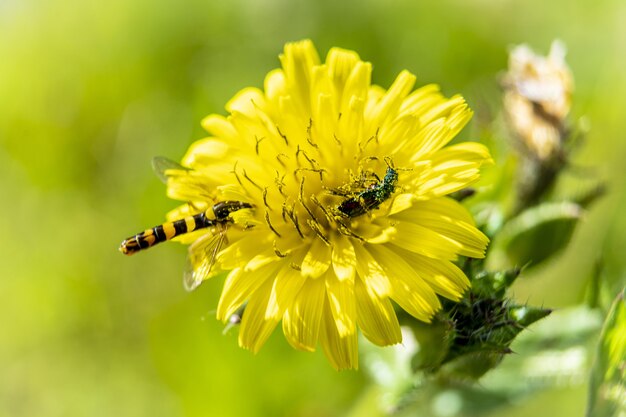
535,235
494,283
607,391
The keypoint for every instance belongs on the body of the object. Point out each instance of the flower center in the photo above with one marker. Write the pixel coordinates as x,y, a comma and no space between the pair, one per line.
317,188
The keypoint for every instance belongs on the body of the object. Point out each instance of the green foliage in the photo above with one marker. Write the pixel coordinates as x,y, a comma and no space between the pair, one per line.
607,390
535,235
470,337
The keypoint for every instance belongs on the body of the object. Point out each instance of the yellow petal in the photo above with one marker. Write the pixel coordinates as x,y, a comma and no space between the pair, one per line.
203,152
378,232
238,287
255,327
246,102
344,258
430,138
376,317
442,206
371,272
467,151
394,136
263,257
342,304
409,290
192,186
251,131
438,132
341,350
357,86
444,277
324,126
275,85
453,168
317,260
389,103
374,94
239,253
458,118
340,64
219,126
420,100
244,218
419,239
350,125
443,109
285,288
400,203
449,219
297,62
321,84
302,320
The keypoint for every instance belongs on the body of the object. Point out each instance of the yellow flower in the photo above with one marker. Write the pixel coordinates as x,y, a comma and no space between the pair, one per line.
348,182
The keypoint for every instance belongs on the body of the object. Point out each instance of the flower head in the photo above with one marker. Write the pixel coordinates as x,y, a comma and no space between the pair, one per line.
348,184
537,98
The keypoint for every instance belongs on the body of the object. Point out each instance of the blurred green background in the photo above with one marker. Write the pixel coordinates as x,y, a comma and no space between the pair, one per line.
91,91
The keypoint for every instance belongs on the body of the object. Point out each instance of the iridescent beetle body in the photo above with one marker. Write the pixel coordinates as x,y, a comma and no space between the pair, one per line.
370,198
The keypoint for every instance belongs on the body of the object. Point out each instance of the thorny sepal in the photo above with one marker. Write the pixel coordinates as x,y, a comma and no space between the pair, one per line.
468,338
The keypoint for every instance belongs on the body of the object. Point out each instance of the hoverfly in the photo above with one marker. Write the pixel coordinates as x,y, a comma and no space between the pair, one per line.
216,216
203,252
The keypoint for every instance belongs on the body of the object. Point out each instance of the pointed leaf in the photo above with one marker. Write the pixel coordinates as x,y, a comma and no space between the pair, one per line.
607,391
535,235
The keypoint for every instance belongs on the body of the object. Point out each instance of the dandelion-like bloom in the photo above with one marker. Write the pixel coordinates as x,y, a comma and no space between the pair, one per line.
537,99
348,183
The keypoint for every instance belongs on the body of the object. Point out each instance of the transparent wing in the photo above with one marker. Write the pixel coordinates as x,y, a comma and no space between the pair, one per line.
201,258
161,165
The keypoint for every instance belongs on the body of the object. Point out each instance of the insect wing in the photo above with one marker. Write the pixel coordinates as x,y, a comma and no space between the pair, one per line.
161,165
201,258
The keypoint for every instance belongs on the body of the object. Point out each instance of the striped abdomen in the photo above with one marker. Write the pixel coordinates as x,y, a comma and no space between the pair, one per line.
219,214
166,231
